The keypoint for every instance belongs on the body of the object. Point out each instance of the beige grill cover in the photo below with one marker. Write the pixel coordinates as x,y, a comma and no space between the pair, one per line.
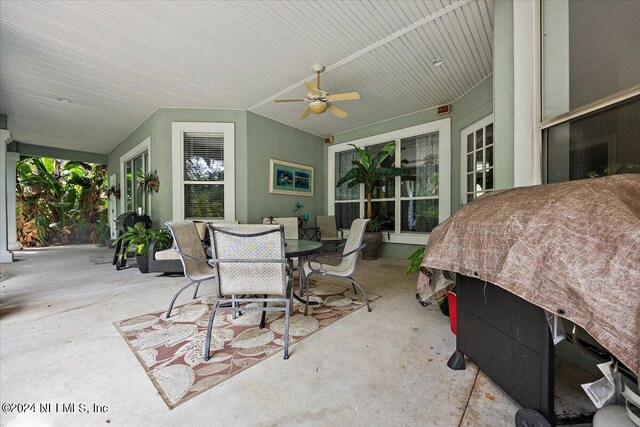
571,248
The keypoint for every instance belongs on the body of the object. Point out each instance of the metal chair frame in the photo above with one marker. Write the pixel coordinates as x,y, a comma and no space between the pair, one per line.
192,281
318,272
235,300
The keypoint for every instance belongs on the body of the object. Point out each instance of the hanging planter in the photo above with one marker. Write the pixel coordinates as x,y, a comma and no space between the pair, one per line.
114,191
149,182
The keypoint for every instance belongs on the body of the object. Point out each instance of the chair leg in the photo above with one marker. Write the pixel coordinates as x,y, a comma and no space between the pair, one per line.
176,297
195,294
286,329
354,289
234,313
263,321
306,287
364,294
207,342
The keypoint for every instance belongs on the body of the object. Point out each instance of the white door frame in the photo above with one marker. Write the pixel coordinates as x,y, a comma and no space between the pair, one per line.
482,123
145,145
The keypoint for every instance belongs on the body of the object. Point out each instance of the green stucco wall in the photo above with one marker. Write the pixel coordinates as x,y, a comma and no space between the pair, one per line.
270,139
158,128
257,139
471,107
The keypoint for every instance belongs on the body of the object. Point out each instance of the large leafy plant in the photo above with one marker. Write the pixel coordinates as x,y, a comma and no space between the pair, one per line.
60,202
368,170
139,238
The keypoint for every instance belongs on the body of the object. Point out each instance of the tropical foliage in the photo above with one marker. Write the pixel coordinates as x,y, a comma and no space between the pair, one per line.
60,202
415,260
138,238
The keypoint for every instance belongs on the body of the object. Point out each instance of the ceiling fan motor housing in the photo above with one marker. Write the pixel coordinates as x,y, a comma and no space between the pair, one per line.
318,106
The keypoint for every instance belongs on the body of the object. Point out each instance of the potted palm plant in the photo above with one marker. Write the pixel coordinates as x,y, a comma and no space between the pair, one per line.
138,238
368,170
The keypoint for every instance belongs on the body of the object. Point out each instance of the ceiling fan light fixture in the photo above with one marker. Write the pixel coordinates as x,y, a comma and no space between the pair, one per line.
318,107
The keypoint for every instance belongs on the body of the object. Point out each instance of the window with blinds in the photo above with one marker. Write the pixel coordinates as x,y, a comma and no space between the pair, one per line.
203,175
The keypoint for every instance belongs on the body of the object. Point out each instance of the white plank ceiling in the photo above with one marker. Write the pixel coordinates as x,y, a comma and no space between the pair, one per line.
117,62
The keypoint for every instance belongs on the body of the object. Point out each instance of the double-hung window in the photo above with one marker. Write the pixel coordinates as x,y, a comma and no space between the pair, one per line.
409,206
203,171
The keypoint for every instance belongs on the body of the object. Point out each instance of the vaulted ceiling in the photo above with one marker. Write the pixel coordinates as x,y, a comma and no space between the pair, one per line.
117,62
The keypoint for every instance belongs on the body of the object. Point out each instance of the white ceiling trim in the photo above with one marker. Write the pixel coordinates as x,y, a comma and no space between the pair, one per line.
368,49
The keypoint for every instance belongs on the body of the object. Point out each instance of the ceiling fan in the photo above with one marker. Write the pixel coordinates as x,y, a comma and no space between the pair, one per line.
320,100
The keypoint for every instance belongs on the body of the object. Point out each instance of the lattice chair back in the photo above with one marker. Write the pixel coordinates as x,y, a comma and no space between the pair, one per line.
187,240
254,243
290,225
327,226
356,234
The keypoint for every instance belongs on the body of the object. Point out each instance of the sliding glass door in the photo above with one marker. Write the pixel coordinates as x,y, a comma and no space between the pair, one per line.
135,198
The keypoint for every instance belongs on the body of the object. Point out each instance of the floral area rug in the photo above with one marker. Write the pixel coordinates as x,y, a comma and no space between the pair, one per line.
171,350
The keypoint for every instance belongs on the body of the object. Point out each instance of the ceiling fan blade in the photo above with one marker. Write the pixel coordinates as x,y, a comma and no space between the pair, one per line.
313,88
349,96
291,99
305,113
337,111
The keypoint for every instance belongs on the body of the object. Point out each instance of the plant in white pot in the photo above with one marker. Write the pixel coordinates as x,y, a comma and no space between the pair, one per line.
369,170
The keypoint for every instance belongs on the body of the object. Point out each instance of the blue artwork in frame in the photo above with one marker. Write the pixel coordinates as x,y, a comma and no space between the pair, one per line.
290,178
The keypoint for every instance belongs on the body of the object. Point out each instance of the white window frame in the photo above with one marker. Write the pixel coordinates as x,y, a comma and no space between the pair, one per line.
178,129
480,124
141,148
443,127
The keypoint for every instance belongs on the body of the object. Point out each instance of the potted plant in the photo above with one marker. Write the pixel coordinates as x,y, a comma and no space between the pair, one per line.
138,238
149,181
113,190
368,170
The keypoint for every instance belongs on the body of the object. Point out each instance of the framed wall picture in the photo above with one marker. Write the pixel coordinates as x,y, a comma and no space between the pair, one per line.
290,178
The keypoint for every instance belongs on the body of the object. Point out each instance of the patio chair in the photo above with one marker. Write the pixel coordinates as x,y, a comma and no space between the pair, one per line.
188,245
250,260
347,265
290,225
328,230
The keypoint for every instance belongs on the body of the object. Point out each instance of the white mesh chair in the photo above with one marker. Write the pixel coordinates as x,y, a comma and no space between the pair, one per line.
290,225
328,230
249,260
347,265
188,245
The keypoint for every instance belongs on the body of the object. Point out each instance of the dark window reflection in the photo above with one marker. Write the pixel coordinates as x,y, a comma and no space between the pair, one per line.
419,215
385,212
346,213
604,143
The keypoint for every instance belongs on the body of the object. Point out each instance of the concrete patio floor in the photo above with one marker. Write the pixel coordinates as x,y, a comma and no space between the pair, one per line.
387,367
